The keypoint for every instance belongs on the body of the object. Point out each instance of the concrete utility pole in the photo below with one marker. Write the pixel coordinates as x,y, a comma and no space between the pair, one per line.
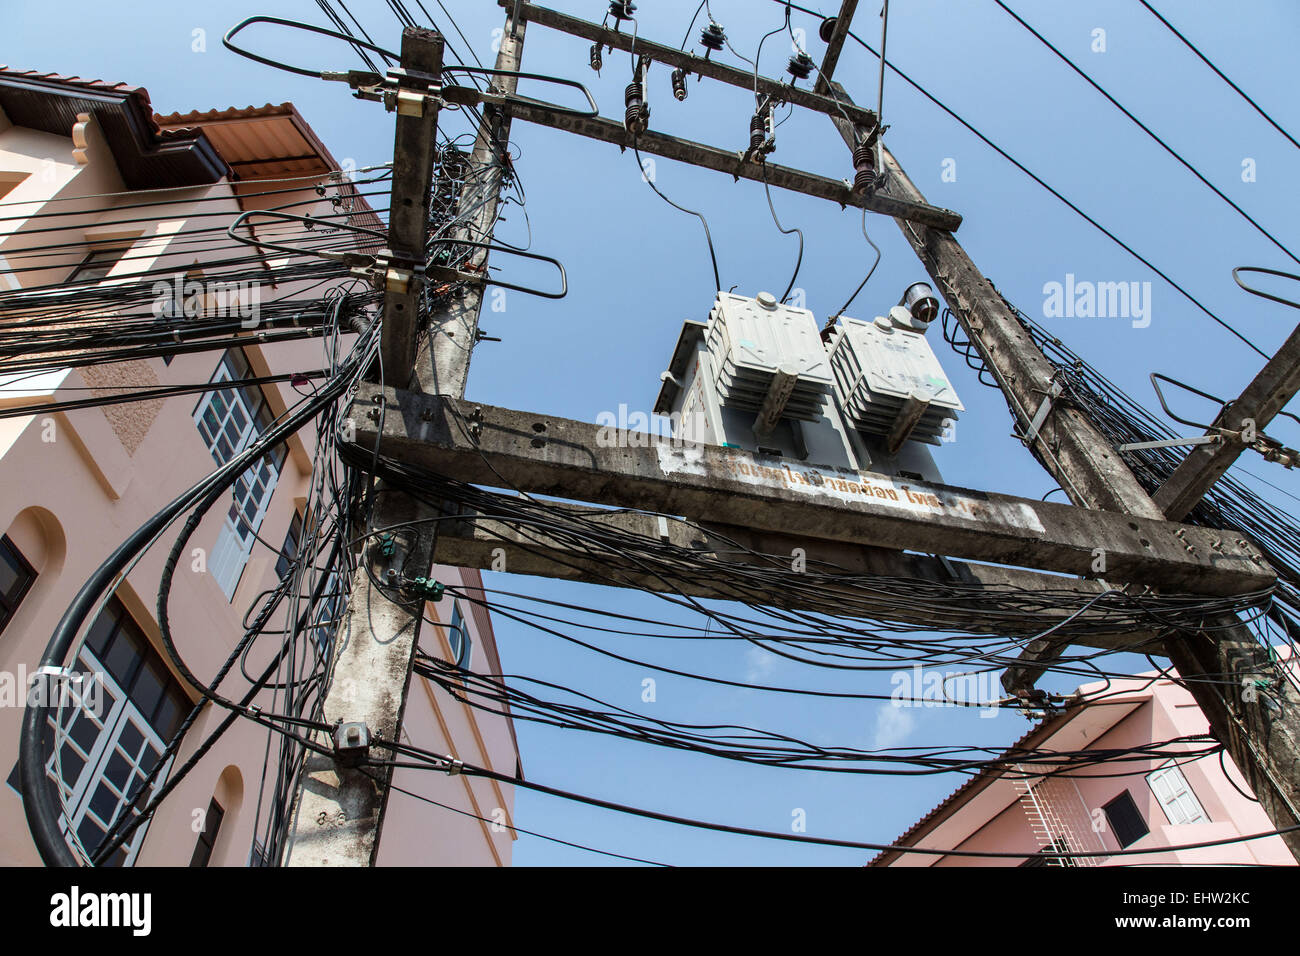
443,367
339,815
1225,668
339,808
1266,395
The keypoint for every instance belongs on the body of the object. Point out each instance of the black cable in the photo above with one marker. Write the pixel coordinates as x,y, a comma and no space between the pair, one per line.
1206,60
870,272
1056,193
650,180
1146,129
798,262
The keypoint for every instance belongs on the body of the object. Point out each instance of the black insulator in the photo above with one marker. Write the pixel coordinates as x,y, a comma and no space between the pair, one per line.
826,29
800,66
679,83
713,37
757,131
864,161
596,60
637,117
864,180
622,9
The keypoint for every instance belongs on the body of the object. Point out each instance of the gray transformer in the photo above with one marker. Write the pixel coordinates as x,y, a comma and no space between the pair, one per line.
757,376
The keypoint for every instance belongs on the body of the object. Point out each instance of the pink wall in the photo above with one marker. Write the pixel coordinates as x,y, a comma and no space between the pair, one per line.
996,819
68,502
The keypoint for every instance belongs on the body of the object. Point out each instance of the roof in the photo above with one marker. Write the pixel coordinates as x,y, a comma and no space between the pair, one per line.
147,155
972,786
258,141
273,141
1037,735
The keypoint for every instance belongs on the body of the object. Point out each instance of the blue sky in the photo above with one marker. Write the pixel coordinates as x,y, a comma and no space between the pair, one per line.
637,268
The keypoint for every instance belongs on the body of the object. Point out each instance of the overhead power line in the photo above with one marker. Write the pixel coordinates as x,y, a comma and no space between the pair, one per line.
1206,60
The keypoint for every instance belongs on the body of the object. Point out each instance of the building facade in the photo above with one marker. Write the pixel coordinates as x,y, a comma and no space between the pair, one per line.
97,191
1109,810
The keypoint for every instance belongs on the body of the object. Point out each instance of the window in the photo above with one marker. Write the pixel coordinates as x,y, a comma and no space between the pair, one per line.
1125,819
97,265
208,838
16,579
289,550
106,746
1175,795
458,636
230,420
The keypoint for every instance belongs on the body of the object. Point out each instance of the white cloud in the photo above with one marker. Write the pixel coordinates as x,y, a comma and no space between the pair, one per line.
893,726
759,664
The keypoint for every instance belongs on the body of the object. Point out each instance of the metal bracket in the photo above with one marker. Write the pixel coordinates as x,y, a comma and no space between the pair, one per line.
1172,443
1044,409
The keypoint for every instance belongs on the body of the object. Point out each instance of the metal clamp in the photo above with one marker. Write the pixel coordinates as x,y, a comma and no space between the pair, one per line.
395,87
1172,443
351,743
1044,409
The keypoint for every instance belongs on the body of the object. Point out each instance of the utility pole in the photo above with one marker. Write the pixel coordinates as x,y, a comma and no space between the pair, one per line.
1224,666
339,807
443,368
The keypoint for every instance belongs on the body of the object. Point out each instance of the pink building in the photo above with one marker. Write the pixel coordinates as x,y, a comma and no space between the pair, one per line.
1168,801
97,191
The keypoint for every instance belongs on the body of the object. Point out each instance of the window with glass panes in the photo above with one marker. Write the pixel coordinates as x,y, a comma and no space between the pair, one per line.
98,264
108,742
292,542
16,579
461,646
229,420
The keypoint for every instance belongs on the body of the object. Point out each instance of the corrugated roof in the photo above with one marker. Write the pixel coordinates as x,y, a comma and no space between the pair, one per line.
259,141
268,142
147,155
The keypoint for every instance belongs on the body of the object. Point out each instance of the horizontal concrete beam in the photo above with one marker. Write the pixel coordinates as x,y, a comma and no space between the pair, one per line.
544,454
477,541
734,164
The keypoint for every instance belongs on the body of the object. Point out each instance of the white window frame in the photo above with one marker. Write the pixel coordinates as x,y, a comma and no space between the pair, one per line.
78,796
235,541
1178,800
